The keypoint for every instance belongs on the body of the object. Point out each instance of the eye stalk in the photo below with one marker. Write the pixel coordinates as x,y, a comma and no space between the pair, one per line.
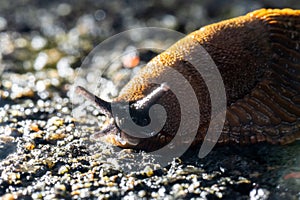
139,110
151,98
103,106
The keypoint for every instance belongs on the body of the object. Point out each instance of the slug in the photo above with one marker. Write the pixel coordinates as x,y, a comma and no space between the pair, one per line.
258,57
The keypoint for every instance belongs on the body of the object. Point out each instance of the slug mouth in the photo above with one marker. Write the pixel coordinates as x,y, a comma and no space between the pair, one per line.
112,133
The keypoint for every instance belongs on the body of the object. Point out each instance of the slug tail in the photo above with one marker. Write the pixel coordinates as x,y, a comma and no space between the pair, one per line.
271,111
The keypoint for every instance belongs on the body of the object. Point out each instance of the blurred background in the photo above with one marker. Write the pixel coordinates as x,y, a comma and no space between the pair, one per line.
110,17
38,35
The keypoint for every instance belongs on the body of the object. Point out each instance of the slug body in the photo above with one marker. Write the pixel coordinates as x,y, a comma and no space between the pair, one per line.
258,57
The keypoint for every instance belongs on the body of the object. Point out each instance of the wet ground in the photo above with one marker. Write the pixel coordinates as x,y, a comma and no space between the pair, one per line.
45,150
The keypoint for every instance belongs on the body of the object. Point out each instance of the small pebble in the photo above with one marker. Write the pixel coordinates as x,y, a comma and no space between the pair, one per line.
3,23
38,42
8,197
34,127
63,169
29,146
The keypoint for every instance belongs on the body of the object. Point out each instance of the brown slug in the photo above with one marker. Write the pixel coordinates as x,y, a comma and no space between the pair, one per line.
258,57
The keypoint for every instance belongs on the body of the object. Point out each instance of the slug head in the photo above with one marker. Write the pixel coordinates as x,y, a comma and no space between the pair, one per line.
129,125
